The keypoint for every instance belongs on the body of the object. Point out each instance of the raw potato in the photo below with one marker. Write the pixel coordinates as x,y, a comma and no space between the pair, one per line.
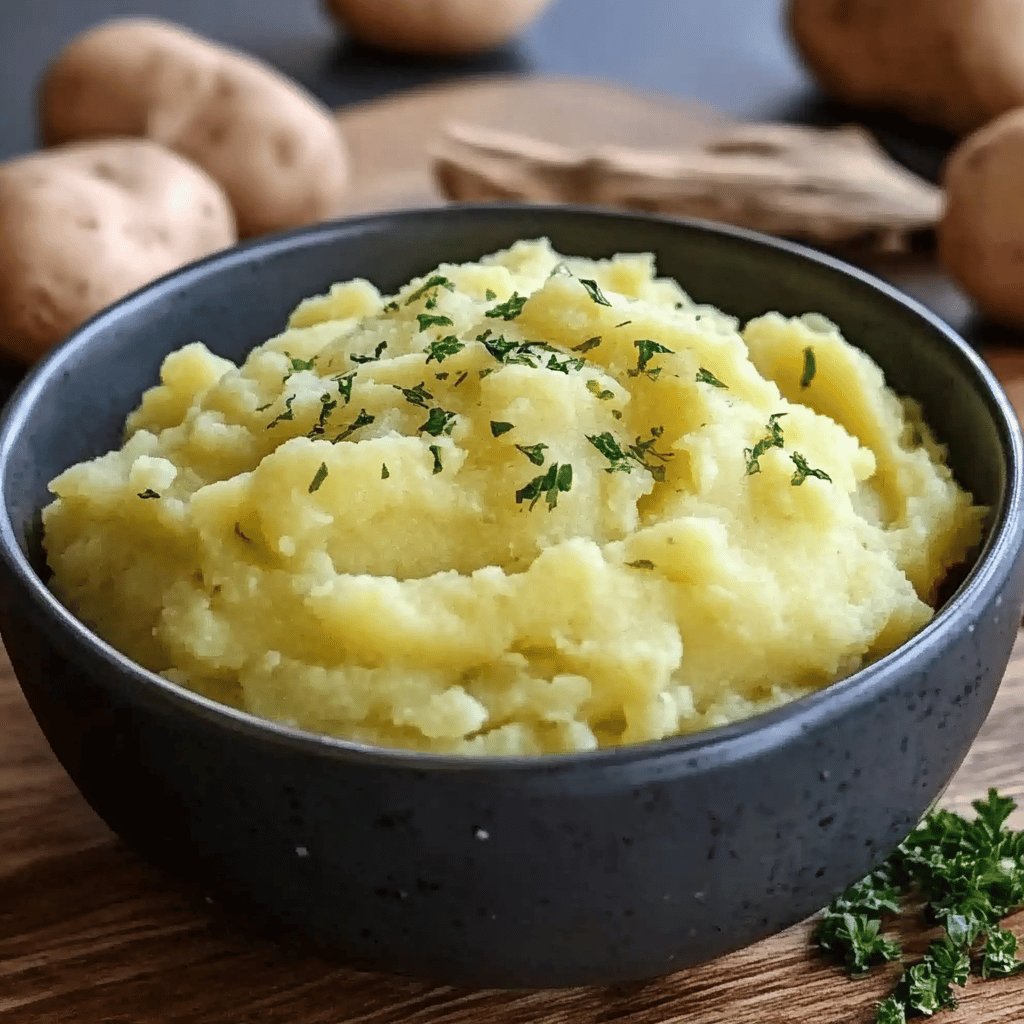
952,63
443,27
274,149
981,236
85,224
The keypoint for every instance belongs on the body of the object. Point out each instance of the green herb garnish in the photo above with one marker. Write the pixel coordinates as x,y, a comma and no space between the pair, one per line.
430,285
594,291
594,387
426,320
557,480
625,323
344,381
439,351
707,377
646,351
498,427
370,359
810,367
490,295
968,875
641,563
465,373
621,461
319,478
300,364
148,493
588,345
288,414
390,307
439,421
418,395
534,452
327,406
240,535
384,471
435,450
564,365
644,451
803,471
509,309
773,439
364,419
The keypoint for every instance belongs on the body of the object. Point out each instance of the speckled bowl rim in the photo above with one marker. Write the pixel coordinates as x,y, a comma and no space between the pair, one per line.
734,742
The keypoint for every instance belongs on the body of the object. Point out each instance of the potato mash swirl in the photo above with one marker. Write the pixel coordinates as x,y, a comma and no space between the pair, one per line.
531,504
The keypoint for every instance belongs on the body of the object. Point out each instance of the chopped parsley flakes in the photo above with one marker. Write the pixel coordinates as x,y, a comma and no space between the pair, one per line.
773,439
594,291
426,320
344,381
439,351
594,387
435,450
509,309
148,493
327,406
707,377
370,358
439,421
288,414
810,368
319,478
384,471
646,351
621,461
588,345
534,452
499,427
803,471
430,285
418,395
641,563
364,419
557,480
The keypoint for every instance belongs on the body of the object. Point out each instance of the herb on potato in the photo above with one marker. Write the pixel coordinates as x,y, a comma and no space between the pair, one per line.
594,291
557,480
327,406
288,414
148,493
431,284
319,478
426,320
646,351
415,396
509,309
364,419
594,387
707,377
498,428
384,471
810,367
377,352
344,381
969,875
534,452
439,421
441,350
620,461
588,345
435,450
773,439
803,471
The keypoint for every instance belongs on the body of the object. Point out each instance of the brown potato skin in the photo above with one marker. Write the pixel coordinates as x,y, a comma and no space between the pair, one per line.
955,64
273,148
981,235
434,27
87,223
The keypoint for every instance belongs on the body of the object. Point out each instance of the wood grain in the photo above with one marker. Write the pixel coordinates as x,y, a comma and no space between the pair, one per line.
89,933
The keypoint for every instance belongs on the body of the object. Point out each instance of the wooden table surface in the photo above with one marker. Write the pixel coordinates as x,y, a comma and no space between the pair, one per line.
89,933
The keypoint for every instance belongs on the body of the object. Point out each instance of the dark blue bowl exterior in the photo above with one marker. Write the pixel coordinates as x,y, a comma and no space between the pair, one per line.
563,870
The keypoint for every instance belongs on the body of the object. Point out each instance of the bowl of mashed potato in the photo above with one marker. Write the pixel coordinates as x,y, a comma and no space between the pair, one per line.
356,570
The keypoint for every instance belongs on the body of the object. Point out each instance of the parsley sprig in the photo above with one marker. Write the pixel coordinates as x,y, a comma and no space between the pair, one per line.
557,480
646,351
772,439
509,309
969,875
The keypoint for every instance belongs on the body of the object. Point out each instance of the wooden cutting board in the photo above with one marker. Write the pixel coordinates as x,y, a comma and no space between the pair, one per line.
89,933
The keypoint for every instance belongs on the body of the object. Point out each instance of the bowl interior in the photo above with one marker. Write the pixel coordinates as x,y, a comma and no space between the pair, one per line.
74,406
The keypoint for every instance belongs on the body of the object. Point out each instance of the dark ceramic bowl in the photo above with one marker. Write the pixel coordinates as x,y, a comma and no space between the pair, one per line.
555,870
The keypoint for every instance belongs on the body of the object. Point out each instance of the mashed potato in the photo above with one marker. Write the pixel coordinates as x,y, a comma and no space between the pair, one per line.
529,504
